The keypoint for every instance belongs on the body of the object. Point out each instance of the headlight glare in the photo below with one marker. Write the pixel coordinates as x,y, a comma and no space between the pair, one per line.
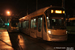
49,31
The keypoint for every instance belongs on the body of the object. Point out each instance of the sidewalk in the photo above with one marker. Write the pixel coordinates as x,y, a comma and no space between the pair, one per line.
5,43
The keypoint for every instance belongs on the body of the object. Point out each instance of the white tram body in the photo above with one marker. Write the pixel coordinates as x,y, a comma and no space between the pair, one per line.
47,23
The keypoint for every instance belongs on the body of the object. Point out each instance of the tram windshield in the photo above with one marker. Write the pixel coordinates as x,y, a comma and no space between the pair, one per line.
14,23
56,23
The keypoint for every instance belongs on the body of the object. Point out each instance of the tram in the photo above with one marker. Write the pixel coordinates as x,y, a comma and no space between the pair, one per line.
13,25
48,23
71,25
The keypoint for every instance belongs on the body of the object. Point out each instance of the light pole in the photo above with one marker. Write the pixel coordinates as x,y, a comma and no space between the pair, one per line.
36,4
27,7
8,13
63,3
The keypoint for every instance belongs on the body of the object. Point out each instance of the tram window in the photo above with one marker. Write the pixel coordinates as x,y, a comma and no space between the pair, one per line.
13,23
24,24
21,24
58,24
39,23
27,24
33,23
55,23
18,25
48,22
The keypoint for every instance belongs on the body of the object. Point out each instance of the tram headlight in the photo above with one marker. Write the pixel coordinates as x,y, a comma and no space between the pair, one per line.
49,31
63,12
52,11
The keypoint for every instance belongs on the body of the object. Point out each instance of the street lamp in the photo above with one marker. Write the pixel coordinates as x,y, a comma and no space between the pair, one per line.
8,13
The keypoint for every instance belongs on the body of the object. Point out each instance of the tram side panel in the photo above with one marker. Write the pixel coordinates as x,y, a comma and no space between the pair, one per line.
39,26
44,29
45,34
33,28
23,29
27,30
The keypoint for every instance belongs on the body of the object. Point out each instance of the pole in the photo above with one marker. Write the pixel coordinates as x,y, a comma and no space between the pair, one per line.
27,7
36,4
63,3
6,19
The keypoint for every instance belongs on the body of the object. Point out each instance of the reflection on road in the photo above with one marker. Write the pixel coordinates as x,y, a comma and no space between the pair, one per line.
17,41
21,41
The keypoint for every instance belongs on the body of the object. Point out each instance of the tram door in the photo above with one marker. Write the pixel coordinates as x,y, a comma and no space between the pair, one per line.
33,29
39,31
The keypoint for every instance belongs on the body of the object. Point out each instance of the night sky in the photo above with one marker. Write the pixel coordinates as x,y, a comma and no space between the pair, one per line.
20,6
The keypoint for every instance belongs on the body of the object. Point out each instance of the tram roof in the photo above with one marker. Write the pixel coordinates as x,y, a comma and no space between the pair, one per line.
37,13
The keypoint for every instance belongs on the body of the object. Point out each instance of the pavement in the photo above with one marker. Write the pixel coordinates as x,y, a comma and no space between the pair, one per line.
5,43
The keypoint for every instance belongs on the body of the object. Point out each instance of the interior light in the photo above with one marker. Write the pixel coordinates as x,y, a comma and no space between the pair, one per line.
34,19
47,17
41,18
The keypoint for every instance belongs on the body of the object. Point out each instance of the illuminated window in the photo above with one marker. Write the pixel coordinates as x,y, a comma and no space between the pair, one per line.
39,23
26,24
48,22
33,23
19,24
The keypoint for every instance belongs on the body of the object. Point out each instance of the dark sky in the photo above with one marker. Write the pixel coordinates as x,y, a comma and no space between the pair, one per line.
20,6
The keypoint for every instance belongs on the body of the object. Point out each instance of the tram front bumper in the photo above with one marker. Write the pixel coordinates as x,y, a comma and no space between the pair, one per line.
59,38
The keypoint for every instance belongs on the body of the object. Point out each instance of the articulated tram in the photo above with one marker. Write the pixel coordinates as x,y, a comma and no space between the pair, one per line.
71,25
48,23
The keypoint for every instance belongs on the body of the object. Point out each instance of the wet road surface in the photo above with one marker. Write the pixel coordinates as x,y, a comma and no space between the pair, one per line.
20,41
